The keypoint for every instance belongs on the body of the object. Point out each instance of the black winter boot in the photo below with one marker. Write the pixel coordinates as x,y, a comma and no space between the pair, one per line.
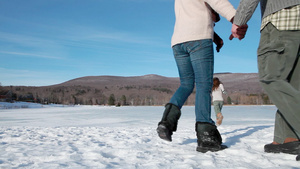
209,138
289,148
169,122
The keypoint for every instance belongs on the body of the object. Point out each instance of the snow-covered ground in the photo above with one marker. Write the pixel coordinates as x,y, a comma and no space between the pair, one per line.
125,137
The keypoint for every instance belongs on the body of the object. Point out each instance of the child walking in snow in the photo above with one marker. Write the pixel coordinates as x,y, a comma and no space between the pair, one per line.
217,97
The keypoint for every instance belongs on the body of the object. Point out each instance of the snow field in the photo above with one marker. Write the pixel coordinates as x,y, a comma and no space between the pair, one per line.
125,137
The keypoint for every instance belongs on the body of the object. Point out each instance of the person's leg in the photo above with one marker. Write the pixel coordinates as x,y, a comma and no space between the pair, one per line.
279,74
186,74
292,133
208,136
172,112
216,107
221,105
202,58
282,131
219,115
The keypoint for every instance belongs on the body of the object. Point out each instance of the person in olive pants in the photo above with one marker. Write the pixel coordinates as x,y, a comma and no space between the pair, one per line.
279,65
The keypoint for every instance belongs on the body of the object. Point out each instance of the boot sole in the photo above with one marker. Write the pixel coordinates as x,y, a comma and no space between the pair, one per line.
211,148
163,133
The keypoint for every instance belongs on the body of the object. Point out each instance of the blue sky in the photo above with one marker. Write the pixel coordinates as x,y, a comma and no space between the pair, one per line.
46,42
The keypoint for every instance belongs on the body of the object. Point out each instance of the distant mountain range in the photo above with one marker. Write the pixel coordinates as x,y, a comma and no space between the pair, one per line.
138,90
233,82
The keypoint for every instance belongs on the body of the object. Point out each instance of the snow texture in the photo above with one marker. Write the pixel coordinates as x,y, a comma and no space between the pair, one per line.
81,137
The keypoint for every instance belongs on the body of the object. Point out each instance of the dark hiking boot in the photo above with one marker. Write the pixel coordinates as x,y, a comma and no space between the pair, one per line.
169,121
298,158
288,148
209,138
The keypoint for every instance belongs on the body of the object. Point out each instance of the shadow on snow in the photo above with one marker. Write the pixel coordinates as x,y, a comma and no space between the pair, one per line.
230,141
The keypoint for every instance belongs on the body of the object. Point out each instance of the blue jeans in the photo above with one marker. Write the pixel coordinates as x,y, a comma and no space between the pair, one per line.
195,61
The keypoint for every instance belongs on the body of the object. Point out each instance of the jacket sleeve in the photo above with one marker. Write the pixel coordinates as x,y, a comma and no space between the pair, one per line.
223,7
222,87
245,11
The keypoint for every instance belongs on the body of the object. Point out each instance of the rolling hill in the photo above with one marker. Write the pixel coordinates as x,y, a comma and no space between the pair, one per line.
242,88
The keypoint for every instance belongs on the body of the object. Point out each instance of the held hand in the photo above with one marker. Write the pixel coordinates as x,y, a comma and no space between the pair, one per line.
218,41
219,45
238,31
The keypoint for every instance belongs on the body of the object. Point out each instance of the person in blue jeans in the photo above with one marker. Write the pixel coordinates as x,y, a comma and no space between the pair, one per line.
192,44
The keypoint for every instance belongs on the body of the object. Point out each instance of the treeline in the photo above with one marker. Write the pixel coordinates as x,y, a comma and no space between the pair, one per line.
247,99
112,95
82,95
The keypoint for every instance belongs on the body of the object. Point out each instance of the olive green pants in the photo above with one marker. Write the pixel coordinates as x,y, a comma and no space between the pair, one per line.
279,74
218,106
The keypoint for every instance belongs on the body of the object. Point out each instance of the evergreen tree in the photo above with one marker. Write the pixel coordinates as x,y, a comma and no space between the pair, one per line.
111,100
229,100
265,99
123,100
